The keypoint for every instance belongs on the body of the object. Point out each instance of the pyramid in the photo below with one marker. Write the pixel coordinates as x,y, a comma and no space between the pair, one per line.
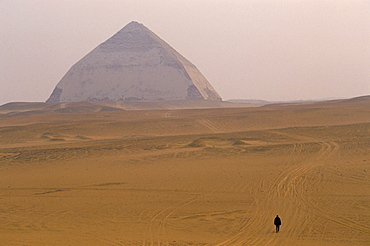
134,64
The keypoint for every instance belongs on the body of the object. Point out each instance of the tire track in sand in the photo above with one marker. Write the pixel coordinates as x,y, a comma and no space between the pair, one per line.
211,125
284,194
155,233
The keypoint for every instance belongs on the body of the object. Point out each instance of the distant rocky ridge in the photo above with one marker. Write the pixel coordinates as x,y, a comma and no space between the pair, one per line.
133,65
26,108
22,108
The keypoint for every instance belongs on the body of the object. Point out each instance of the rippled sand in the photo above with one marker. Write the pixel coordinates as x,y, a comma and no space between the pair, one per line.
187,177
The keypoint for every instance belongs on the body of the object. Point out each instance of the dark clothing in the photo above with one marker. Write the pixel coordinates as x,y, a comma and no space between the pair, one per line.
277,228
277,223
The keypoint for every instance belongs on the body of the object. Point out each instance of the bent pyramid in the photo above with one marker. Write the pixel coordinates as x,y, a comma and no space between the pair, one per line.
134,64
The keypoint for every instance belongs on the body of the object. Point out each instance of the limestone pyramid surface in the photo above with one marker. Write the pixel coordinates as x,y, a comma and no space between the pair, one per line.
134,64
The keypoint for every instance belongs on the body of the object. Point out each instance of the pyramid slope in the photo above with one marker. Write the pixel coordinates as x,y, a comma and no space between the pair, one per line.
134,64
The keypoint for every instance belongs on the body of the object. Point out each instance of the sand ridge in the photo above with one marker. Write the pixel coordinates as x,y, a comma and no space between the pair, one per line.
214,176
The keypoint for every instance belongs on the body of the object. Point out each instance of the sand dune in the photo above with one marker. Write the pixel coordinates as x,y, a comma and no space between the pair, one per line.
215,176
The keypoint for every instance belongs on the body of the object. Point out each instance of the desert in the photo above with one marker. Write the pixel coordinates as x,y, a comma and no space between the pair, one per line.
109,174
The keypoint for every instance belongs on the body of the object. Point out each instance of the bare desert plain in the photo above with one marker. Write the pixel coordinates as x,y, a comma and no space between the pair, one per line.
86,175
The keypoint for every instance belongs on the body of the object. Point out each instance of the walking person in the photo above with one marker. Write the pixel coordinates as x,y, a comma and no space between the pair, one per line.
277,223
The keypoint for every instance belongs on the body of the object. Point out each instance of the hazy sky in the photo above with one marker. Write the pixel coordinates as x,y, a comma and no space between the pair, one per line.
249,49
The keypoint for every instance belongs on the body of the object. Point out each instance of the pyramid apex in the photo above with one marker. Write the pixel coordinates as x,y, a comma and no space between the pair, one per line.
133,25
